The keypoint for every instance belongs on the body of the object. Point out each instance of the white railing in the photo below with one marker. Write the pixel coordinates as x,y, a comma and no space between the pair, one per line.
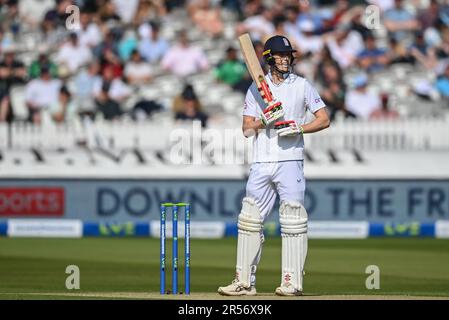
23,135
4,136
411,134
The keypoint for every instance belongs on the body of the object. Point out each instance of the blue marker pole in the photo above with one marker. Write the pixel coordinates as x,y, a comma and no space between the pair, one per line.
175,249
162,250
187,249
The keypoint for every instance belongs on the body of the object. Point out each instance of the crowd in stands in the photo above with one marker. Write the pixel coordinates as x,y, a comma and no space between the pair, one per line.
118,46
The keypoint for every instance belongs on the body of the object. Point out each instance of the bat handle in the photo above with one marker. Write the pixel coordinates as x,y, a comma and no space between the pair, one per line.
266,92
272,105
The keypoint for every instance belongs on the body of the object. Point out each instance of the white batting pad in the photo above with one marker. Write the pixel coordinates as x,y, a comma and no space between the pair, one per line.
249,243
293,221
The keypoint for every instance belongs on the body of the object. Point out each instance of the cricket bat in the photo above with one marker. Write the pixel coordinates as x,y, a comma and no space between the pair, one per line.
256,72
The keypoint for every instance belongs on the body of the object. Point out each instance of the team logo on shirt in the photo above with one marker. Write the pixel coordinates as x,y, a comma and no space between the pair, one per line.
317,100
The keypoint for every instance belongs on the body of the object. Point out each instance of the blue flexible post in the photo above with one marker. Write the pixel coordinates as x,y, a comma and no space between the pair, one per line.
187,249
175,250
162,250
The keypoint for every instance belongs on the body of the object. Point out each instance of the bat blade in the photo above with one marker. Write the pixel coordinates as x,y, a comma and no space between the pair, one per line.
254,68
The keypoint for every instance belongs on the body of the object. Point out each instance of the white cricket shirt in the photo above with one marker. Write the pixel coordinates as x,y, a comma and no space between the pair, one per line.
297,96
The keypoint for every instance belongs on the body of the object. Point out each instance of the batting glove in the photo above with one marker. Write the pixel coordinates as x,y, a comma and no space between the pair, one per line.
288,128
272,113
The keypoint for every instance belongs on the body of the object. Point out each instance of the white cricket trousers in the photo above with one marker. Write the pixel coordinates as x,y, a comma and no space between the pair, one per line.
268,178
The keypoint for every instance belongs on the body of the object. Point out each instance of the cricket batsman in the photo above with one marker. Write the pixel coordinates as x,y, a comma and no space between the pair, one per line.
277,168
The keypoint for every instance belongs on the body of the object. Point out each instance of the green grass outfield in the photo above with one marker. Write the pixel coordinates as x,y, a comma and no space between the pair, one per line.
129,267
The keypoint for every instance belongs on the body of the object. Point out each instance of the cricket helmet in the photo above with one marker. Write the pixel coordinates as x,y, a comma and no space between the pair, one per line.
276,44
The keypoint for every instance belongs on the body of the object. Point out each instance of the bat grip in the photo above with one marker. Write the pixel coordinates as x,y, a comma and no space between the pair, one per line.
266,91
272,106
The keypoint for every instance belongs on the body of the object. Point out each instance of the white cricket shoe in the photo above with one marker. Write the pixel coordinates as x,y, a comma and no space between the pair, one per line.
237,288
286,289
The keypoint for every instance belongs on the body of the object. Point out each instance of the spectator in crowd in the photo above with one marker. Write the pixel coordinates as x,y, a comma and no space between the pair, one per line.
32,12
193,5
432,35
89,6
233,72
12,18
183,59
51,35
137,71
41,94
306,12
6,113
357,17
444,12
251,8
279,23
5,40
308,42
442,84
112,61
145,29
341,9
126,9
420,52
398,53
429,16
258,26
233,5
109,43
441,47
58,14
89,33
419,43
108,53
173,4
145,109
64,110
84,89
372,59
334,91
399,21
149,9
325,58
73,54
207,18
188,107
12,71
110,92
384,5
127,45
108,12
425,90
43,60
384,112
154,48
326,15
291,15
345,45
360,101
